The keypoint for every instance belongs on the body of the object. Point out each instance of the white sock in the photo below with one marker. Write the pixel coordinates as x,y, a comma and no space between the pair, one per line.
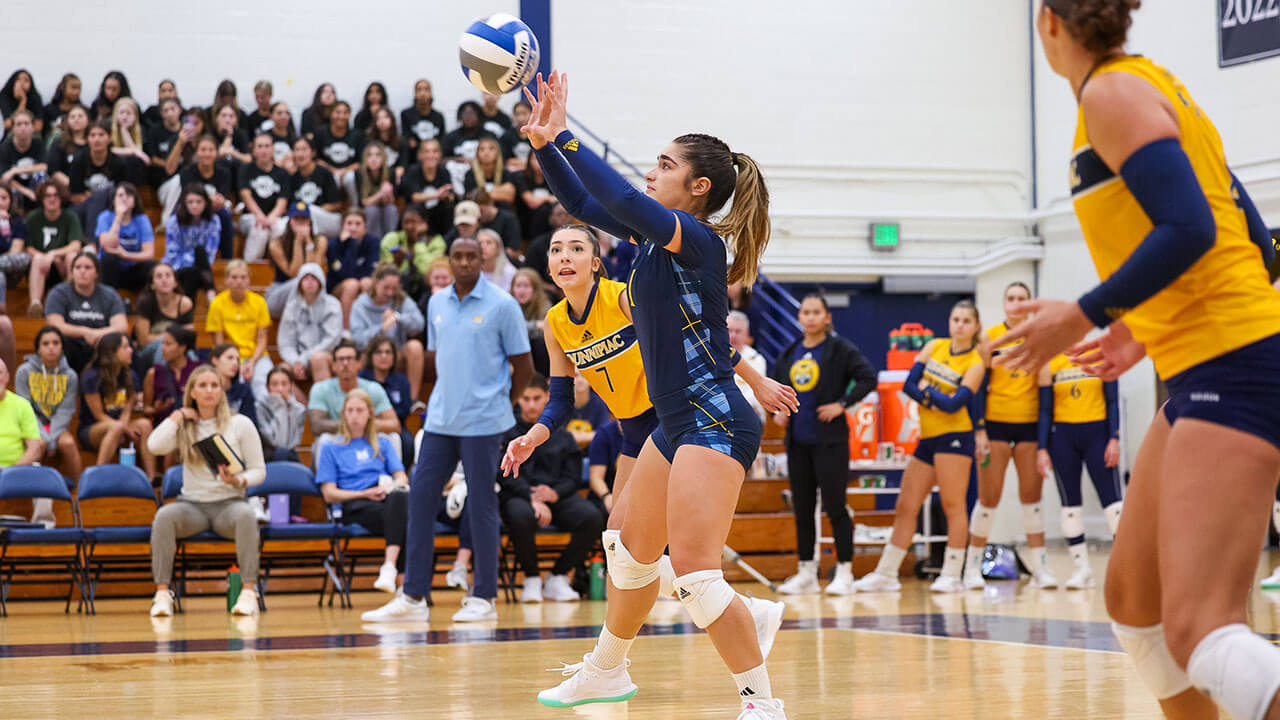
844,568
973,562
1079,554
953,562
1034,558
754,684
610,650
1112,513
891,560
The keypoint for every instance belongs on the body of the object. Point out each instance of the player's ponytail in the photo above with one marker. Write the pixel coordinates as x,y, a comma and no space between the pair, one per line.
746,226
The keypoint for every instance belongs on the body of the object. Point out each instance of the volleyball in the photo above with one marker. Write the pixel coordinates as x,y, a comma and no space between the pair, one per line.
499,53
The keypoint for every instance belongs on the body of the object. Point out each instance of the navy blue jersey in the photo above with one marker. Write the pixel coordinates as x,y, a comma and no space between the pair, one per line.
679,305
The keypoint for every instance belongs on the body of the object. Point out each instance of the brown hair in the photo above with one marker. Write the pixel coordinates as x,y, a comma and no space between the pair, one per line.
747,224
187,431
382,271
1099,25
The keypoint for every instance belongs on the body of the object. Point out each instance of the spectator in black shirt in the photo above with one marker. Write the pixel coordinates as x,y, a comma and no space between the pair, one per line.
375,97
94,173
486,172
72,137
461,143
515,146
114,86
492,117
218,188
383,130
233,145
420,121
264,189
282,134
317,116
226,94
545,493
502,221
154,115
19,93
533,198
167,146
376,191
126,139
314,185
65,97
428,185
260,119
535,256
339,149
22,163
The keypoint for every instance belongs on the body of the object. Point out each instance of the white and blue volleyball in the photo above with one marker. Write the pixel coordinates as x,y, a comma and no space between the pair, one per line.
499,53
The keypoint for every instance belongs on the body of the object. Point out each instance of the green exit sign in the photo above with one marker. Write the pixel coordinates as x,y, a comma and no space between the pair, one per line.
884,236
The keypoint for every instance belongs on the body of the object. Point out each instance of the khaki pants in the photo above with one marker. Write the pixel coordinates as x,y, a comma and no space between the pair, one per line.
231,519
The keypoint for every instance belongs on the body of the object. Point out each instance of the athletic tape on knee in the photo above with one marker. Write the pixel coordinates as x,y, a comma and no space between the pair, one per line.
982,520
705,595
1237,669
1112,512
1073,524
666,577
1032,519
624,571
1152,659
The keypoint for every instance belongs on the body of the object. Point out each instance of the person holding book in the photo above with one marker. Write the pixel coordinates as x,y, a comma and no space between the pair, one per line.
362,470
221,457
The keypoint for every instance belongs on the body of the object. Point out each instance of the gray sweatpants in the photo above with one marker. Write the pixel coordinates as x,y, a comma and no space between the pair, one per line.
231,519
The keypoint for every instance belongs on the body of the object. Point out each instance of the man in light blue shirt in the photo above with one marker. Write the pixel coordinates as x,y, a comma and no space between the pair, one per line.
479,344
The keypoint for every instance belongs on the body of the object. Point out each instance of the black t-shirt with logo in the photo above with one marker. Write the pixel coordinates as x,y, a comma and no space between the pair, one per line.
515,145
160,142
266,186
413,183
316,188
499,124
11,156
258,122
86,176
418,127
281,145
339,151
59,160
218,183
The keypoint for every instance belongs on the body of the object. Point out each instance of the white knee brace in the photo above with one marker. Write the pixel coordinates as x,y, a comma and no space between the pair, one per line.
982,520
1152,659
1275,515
1072,522
1237,669
1112,512
624,571
705,595
666,577
1032,519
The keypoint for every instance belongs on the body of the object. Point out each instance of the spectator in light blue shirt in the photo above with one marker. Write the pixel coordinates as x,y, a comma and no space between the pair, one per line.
477,340
125,240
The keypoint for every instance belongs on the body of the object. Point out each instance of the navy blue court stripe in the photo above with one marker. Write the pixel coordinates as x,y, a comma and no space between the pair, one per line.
1040,632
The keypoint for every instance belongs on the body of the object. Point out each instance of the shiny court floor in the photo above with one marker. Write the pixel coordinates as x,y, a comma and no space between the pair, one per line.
1009,652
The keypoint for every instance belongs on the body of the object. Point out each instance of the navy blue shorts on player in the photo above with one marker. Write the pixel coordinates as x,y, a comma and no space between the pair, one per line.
636,430
711,415
1239,390
1012,432
957,443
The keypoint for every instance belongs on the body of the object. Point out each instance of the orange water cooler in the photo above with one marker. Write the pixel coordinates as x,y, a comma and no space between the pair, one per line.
899,414
864,427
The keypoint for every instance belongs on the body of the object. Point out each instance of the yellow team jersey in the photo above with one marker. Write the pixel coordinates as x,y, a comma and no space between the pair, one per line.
1078,397
1012,396
1224,301
602,345
945,371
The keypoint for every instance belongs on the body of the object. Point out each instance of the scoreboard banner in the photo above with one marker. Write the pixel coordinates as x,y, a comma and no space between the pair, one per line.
1247,30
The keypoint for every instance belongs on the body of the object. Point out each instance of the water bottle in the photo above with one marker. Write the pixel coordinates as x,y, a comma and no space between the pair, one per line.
128,456
233,586
596,574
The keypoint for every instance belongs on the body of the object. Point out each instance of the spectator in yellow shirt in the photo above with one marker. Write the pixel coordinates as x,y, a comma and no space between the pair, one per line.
238,315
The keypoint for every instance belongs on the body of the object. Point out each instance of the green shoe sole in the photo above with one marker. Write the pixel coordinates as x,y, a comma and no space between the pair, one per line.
618,698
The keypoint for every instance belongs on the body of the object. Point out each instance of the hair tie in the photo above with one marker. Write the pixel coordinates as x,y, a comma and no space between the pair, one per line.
733,157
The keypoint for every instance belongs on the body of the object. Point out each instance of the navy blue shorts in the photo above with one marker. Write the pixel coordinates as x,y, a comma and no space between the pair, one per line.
636,430
1240,390
712,415
957,443
1013,433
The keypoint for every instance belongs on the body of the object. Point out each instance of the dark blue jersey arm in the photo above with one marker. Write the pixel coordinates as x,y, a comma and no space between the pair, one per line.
566,186
1110,392
1046,417
978,409
949,403
620,198
1161,179
912,384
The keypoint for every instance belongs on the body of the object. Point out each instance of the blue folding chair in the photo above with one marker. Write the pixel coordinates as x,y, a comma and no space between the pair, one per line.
116,482
28,482
296,480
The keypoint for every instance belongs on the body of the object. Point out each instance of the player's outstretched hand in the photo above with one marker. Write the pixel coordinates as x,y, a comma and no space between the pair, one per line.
1110,354
518,451
775,397
1055,325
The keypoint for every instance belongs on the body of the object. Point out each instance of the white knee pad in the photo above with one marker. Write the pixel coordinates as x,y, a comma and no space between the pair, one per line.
1112,512
705,595
1237,669
1032,519
666,577
624,571
1275,515
1152,659
608,540
1072,522
982,520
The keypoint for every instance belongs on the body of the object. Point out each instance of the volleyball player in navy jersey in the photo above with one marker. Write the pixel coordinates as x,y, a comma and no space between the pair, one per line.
707,436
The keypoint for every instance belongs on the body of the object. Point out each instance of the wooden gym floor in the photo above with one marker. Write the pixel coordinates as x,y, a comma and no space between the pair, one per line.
1010,652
